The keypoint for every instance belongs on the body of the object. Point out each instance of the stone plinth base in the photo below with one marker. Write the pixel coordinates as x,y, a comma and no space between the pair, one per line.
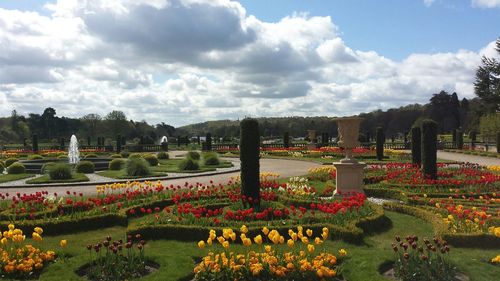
349,177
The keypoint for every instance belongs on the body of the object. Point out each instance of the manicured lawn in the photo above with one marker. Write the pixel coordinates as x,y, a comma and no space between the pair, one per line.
122,174
171,165
77,177
363,263
7,178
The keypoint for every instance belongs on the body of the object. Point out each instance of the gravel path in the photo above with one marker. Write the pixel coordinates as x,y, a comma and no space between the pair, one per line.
481,160
286,168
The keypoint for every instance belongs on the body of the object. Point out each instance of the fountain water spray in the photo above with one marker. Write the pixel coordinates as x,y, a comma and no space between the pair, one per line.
163,139
73,152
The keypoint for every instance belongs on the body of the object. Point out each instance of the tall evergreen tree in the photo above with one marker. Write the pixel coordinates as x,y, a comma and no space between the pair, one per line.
487,84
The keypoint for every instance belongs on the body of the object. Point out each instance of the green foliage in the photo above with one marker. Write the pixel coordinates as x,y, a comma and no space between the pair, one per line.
91,155
208,141
85,167
35,142
286,140
60,171
498,142
429,148
489,125
47,167
118,144
152,159
2,168
459,139
134,155
249,156
16,168
35,157
116,156
189,164
162,155
10,161
62,156
380,143
116,164
125,153
193,155
487,84
416,146
137,167
211,159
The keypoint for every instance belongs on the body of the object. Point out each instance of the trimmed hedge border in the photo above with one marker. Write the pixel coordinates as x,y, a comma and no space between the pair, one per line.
464,240
352,232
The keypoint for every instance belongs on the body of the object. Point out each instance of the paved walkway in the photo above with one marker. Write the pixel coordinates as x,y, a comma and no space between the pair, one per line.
481,160
286,168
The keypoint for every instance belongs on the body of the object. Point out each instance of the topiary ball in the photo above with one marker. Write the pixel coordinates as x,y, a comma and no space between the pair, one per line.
211,159
189,164
85,167
47,167
116,156
2,168
116,164
193,155
10,161
134,155
60,171
16,168
162,155
137,167
90,156
35,157
125,153
152,160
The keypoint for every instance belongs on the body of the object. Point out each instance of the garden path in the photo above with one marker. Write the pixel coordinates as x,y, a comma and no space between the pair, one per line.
481,160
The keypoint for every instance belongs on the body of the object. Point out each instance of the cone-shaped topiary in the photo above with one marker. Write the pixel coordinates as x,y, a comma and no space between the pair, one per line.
286,140
416,146
460,139
208,142
249,156
118,144
429,148
498,142
35,142
380,143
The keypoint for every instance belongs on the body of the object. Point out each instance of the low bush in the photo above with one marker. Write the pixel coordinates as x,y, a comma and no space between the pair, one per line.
10,161
85,167
116,156
211,159
134,155
2,168
116,164
189,164
60,171
47,167
125,153
91,155
193,155
152,160
35,157
137,167
63,156
16,168
162,155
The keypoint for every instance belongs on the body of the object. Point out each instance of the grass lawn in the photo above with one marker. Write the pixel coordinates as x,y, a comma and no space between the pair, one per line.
7,178
77,177
176,258
171,165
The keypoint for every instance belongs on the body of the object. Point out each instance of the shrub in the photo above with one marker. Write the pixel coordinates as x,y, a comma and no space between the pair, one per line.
211,159
152,160
16,168
10,161
90,156
116,156
35,157
47,167
249,156
63,156
137,167
380,137
208,142
193,155
189,164
85,167
60,171
125,153
116,164
2,168
286,140
162,155
429,148
34,142
460,139
416,149
134,155
498,142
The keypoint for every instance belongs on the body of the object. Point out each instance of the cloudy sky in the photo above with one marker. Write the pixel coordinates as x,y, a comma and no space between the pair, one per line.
187,61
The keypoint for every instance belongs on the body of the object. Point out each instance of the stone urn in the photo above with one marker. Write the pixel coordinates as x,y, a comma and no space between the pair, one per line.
349,170
348,128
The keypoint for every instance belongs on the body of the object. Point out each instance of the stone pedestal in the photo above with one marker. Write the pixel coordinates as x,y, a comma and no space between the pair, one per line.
349,177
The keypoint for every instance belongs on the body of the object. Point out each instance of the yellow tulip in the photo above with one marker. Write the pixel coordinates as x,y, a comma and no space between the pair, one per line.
258,239
201,244
63,243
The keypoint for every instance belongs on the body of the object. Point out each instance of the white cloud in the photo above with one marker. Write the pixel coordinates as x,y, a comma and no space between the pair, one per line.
428,2
486,3
185,61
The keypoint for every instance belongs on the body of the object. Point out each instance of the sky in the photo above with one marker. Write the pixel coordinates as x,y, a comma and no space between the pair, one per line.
189,61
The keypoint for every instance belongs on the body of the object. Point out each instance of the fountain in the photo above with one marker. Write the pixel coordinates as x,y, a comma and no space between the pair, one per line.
73,153
163,139
349,170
